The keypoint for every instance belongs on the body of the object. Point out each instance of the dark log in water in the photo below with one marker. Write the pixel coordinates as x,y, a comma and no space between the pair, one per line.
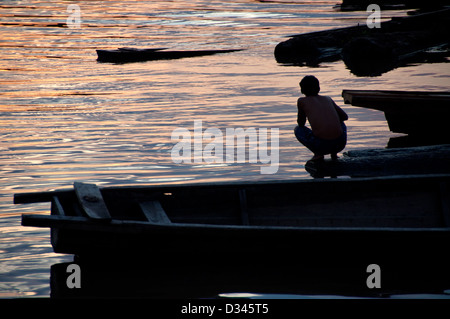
371,52
354,5
125,55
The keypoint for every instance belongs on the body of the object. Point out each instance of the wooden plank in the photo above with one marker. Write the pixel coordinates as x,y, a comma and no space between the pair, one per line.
26,198
56,208
33,220
91,201
154,212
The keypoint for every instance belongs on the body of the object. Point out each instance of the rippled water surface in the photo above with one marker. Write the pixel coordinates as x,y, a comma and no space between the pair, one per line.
65,117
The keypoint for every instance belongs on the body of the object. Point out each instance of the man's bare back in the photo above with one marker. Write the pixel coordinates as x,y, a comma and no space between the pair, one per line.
323,115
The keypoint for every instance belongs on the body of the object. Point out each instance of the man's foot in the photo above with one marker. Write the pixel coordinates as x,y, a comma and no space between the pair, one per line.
334,157
317,158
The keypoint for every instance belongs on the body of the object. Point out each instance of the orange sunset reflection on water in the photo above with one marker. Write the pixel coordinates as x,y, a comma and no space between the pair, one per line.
65,117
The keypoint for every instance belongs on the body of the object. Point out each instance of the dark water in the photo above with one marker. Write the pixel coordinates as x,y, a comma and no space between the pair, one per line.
64,117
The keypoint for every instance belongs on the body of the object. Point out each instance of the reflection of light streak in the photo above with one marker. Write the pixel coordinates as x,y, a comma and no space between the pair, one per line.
32,256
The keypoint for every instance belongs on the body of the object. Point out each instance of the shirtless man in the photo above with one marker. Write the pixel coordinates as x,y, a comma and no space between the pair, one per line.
328,133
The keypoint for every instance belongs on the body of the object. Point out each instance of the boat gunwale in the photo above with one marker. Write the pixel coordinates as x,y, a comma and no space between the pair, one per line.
398,92
397,101
46,196
125,226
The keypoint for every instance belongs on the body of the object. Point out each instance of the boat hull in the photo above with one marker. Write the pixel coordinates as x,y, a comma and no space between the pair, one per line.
271,220
283,236
219,245
417,113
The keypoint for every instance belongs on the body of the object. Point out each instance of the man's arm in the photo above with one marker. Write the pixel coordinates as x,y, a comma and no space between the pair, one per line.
301,116
342,115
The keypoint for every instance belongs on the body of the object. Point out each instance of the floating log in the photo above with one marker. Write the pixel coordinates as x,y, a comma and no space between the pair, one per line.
355,5
385,162
124,55
417,113
371,52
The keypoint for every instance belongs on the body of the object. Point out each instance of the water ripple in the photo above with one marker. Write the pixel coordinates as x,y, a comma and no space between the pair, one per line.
64,117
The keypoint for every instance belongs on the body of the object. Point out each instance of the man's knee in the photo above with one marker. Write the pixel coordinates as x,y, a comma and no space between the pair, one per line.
300,132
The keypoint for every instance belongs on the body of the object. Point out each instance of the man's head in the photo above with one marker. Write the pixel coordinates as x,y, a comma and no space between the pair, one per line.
310,85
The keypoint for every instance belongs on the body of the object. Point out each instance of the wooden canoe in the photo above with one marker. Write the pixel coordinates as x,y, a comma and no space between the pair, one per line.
422,113
406,216
124,55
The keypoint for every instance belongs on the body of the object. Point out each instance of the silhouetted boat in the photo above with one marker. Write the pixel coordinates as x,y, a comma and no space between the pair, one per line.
410,112
123,55
403,216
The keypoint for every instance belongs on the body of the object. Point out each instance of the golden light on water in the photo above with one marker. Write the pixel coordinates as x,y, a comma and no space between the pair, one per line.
65,117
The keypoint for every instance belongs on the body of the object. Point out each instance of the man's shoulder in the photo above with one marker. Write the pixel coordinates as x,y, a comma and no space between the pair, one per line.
325,97
301,100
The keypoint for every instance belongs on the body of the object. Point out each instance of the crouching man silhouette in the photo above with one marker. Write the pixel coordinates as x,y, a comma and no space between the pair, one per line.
328,133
